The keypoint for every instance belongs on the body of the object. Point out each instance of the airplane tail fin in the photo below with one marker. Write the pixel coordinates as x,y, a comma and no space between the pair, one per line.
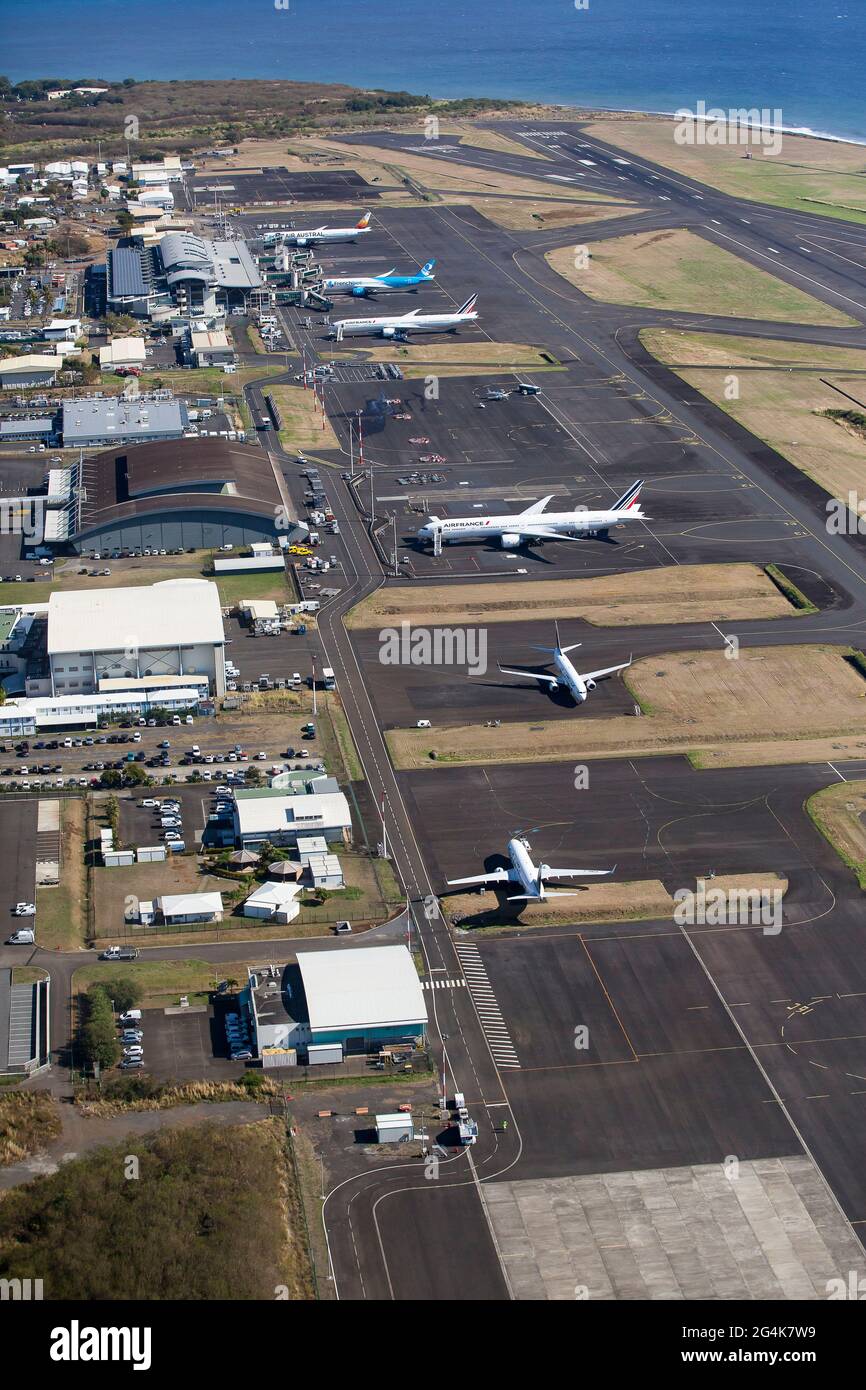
559,646
630,499
427,267
469,306
364,222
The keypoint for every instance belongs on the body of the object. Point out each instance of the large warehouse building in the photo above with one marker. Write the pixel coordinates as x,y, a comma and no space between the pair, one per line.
174,628
356,1000
197,493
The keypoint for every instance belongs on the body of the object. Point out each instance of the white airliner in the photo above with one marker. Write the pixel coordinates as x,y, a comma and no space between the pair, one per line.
400,325
534,524
529,876
315,236
578,684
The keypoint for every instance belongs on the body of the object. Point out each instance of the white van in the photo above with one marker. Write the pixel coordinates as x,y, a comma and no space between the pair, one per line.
423,724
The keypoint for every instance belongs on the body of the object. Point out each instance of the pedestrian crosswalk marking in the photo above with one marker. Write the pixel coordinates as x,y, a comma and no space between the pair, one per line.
489,1014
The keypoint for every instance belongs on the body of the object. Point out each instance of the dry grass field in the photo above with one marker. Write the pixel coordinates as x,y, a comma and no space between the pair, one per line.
457,358
839,811
678,270
302,420
766,705
675,594
820,176
783,388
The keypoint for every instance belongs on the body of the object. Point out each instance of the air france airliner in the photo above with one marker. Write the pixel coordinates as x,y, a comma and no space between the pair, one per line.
364,286
535,524
400,325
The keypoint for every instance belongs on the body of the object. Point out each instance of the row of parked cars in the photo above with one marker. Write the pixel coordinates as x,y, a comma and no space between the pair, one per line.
238,1037
131,1040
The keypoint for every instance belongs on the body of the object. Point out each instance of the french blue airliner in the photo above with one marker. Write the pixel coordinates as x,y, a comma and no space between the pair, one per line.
363,286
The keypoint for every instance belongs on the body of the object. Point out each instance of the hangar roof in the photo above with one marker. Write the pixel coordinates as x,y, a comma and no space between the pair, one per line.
175,612
362,987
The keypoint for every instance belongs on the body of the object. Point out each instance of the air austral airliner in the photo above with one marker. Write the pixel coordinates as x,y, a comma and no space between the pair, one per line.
526,875
400,325
315,236
567,677
367,285
534,524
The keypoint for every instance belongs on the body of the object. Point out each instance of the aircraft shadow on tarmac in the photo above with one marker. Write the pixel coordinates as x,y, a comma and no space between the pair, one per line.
505,911
558,696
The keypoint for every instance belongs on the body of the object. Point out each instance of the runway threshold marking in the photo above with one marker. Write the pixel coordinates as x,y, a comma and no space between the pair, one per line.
486,1006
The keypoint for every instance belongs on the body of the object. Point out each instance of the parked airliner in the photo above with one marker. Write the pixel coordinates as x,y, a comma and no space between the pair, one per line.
400,325
364,286
530,877
316,236
534,524
578,684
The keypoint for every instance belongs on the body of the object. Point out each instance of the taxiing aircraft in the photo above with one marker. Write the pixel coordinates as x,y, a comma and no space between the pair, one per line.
364,286
578,684
401,325
316,236
534,524
530,877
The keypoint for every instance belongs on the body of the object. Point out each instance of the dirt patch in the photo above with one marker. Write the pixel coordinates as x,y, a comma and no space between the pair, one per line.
678,270
698,703
674,594
62,908
301,419
29,1120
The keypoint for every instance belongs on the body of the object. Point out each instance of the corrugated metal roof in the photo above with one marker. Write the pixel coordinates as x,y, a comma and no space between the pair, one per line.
362,987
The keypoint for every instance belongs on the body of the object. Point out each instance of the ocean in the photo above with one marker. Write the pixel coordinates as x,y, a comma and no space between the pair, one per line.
804,60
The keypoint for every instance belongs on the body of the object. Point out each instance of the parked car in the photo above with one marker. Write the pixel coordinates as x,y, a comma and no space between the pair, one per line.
25,909
24,936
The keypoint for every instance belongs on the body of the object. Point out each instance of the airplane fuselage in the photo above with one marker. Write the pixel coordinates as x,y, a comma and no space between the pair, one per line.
527,872
509,531
569,679
318,236
371,284
395,325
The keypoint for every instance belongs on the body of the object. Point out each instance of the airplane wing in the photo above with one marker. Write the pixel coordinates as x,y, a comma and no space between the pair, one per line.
536,897
539,533
605,671
530,675
501,875
535,508
577,873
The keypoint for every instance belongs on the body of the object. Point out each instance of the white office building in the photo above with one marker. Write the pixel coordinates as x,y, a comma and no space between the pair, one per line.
174,628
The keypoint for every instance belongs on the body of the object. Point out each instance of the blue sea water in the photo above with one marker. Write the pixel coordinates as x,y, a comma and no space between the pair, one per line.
805,58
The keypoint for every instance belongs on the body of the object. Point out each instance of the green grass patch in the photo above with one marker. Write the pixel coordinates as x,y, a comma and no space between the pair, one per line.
787,587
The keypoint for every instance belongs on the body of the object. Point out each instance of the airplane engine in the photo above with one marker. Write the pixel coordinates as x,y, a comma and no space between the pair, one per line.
590,685
301,241
389,332
544,872
510,540
359,292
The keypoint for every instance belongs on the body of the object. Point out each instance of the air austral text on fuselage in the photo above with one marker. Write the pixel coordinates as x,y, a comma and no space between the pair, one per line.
534,524
317,235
